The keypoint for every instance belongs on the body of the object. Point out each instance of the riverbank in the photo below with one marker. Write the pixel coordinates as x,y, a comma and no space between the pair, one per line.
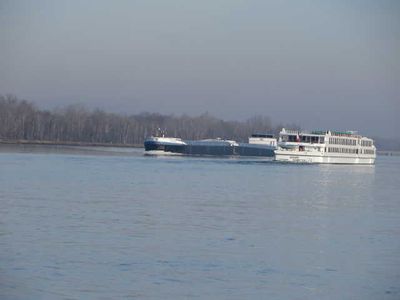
67,143
388,153
85,144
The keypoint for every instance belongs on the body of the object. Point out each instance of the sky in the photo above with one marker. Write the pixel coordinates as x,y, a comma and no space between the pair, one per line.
320,64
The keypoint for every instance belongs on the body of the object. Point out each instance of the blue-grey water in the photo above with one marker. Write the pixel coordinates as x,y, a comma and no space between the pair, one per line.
93,223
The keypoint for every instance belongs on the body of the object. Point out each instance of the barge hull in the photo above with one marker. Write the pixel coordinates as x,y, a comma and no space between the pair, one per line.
242,149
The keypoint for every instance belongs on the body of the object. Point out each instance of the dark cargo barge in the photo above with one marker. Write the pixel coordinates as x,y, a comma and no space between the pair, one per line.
258,145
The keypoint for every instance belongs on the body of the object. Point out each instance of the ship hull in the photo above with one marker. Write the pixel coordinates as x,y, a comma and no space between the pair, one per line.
159,147
299,157
201,148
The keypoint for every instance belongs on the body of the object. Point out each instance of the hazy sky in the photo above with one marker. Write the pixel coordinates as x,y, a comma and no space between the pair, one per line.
321,64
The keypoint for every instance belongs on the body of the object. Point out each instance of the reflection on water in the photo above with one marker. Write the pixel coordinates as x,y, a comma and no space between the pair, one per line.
93,223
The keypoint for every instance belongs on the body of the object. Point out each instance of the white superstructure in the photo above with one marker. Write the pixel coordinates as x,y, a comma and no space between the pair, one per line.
329,147
263,139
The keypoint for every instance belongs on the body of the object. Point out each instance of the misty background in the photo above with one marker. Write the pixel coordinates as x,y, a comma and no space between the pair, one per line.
318,64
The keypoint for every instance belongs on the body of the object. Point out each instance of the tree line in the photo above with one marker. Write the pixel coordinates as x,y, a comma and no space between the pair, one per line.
23,120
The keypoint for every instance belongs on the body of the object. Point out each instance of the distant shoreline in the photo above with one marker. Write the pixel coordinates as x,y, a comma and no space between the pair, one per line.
66,143
86,144
388,153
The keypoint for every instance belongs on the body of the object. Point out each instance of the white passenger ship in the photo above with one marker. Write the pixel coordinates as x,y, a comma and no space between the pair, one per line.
326,147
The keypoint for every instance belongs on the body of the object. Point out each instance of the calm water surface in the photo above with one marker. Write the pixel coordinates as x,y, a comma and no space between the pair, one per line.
95,223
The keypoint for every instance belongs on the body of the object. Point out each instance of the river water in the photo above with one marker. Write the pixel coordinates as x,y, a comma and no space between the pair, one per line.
103,223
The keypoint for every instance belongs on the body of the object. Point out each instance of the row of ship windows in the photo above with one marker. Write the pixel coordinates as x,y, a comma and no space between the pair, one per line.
332,140
342,150
303,139
366,143
339,141
367,151
347,150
